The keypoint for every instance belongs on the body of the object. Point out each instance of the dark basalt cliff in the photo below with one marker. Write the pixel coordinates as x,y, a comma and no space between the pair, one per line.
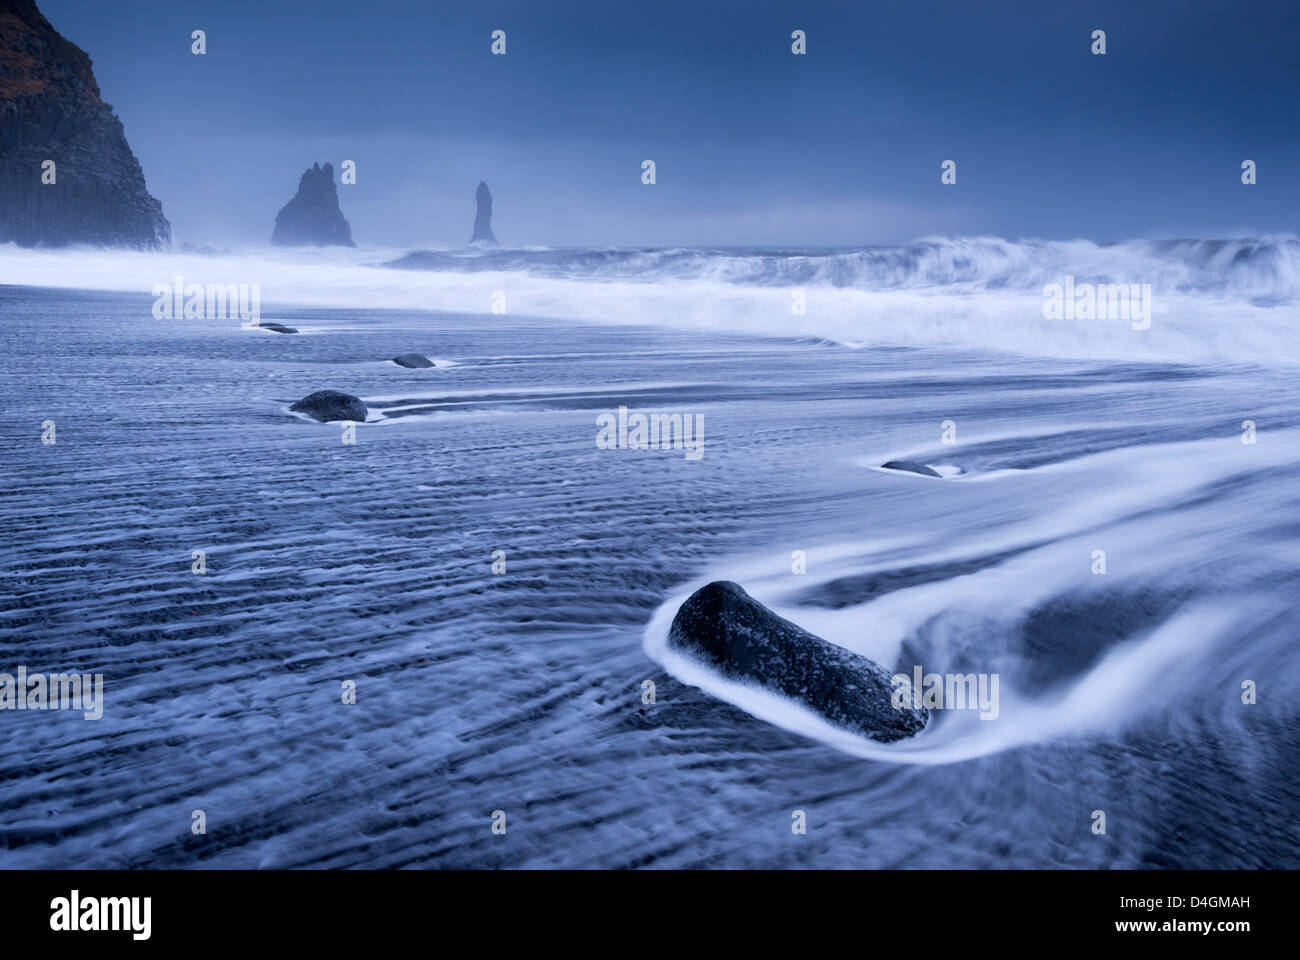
50,109
313,218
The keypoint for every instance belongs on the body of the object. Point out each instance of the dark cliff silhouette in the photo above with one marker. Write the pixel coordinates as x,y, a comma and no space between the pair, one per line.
483,217
313,217
51,110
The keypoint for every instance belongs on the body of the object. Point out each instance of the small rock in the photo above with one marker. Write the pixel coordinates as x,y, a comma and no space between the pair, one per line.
330,405
413,360
911,466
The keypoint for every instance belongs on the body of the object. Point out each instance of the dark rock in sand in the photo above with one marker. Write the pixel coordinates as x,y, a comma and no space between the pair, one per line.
51,110
313,218
413,360
483,217
277,327
330,405
911,466
732,632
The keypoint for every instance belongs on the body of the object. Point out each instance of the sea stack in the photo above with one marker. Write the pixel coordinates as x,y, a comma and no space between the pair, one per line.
729,631
313,218
483,218
67,174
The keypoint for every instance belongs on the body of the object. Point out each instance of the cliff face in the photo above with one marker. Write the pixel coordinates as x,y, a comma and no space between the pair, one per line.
50,109
313,217
483,217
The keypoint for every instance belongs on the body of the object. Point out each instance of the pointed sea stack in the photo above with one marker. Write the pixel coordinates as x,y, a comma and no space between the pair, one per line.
67,174
313,218
483,218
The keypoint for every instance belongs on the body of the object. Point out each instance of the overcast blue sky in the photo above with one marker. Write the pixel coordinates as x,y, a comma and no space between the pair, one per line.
753,144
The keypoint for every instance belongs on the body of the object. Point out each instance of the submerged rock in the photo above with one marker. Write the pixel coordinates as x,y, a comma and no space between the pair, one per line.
330,405
483,218
911,466
313,217
413,360
732,632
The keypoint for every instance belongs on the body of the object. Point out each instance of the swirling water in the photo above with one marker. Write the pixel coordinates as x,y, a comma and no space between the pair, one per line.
522,691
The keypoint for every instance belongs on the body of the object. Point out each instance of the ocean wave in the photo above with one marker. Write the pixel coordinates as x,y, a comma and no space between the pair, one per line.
1261,268
1211,301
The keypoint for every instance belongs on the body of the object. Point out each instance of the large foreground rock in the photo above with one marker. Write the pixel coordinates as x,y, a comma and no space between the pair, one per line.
736,635
330,405
51,110
313,218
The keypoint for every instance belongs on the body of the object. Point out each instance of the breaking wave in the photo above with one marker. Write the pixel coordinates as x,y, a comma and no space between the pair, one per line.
1233,301
1263,268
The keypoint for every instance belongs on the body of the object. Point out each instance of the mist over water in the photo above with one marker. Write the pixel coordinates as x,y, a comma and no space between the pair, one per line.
521,692
1235,301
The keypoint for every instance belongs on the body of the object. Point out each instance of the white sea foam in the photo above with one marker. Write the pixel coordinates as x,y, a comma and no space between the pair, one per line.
1215,301
1116,690
1048,557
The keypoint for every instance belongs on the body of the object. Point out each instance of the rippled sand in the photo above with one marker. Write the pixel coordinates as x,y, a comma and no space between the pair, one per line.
521,692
